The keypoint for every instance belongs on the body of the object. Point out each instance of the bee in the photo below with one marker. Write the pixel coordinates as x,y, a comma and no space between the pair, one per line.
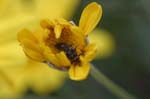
69,51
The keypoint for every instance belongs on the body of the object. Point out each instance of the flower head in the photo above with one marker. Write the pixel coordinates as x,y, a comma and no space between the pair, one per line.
62,44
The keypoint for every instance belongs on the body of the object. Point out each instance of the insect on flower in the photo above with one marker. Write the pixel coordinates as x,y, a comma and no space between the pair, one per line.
69,51
63,45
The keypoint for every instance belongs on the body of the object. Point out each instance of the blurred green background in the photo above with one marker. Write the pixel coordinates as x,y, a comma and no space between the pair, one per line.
128,22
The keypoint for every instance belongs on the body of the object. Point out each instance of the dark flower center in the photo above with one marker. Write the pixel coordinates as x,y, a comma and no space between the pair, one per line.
69,51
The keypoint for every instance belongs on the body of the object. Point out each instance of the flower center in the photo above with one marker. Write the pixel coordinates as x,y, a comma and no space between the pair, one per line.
69,51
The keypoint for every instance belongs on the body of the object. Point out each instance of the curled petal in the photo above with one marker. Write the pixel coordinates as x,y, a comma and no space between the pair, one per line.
79,72
31,45
59,59
76,31
34,55
40,34
63,60
78,38
90,52
46,23
53,59
90,17
26,34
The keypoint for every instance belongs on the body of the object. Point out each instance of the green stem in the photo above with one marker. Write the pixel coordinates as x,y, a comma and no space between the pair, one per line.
110,85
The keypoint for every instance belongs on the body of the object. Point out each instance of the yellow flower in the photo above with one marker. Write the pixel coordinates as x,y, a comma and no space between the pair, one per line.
17,73
62,44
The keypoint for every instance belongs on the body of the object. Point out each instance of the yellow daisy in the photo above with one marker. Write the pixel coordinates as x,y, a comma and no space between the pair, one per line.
17,73
62,44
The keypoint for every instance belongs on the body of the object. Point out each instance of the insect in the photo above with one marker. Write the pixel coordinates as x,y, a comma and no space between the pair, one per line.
69,51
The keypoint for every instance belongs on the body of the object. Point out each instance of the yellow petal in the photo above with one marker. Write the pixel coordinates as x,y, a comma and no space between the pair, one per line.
57,30
63,60
31,45
39,34
79,72
90,17
26,34
46,23
34,54
90,52
52,59
81,38
76,31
